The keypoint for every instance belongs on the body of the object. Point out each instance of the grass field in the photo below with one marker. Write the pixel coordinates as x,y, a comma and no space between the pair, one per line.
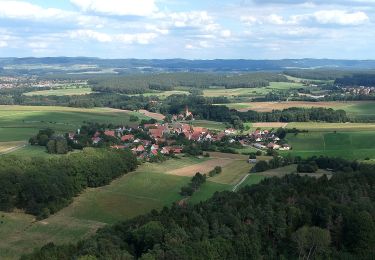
18,123
212,125
350,145
330,127
61,92
131,195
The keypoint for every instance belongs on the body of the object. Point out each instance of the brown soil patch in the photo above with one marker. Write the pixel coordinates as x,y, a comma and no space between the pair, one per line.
270,124
203,167
269,106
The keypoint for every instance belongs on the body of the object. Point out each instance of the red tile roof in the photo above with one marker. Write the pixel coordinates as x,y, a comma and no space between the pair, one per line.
110,133
127,138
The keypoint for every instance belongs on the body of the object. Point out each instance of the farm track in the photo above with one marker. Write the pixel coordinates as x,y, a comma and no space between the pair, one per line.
241,181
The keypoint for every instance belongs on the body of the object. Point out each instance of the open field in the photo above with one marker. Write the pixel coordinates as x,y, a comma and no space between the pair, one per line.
330,127
269,125
269,106
349,145
156,116
164,94
61,92
133,194
358,109
18,123
212,125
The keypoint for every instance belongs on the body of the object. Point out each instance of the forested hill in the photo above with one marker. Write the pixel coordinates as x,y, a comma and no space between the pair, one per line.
289,218
174,65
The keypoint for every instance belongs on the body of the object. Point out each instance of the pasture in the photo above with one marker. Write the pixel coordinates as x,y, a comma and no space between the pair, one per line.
69,91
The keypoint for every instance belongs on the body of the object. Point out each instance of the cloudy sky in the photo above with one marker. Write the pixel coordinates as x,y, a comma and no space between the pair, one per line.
193,29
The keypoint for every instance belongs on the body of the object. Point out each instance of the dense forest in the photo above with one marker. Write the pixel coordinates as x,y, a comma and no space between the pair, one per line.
138,84
367,80
292,217
43,186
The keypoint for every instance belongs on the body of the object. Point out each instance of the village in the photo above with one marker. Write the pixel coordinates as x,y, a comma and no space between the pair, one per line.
153,139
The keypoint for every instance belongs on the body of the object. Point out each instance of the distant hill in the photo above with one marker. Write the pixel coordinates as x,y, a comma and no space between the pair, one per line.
123,66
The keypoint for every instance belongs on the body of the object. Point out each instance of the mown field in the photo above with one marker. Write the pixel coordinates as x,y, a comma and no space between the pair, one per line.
71,91
150,187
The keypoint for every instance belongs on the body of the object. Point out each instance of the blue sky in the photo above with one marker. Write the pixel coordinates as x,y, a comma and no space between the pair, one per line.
195,29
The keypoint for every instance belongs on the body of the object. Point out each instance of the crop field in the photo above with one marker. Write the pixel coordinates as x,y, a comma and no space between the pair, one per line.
350,145
19,123
61,92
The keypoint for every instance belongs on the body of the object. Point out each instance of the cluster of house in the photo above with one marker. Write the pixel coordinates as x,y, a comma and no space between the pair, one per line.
13,82
187,115
265,139
159,141
360,90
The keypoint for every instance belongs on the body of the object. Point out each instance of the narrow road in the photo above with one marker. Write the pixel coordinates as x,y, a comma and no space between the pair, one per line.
241,181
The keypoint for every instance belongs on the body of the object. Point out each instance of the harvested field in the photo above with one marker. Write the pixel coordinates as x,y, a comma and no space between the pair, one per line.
156,116
203,167
269,125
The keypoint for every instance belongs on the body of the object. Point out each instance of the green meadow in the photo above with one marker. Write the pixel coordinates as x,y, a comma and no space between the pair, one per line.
19,123
349,145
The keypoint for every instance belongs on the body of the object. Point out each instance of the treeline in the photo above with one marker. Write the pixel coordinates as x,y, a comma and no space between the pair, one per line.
309,165
194,184
367,80
292,217
142,83
43,186
84,101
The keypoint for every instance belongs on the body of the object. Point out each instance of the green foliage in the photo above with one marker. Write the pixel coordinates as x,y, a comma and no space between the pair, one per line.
43,186
280,218
194,185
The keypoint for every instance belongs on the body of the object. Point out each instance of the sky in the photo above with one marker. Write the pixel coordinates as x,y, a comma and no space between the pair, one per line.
191,29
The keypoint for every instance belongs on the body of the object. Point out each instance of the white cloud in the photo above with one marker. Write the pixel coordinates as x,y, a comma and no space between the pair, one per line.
126,38
226,33
90,34
25,10
139,38
340,17
3,44
323,17
118,7
249,20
